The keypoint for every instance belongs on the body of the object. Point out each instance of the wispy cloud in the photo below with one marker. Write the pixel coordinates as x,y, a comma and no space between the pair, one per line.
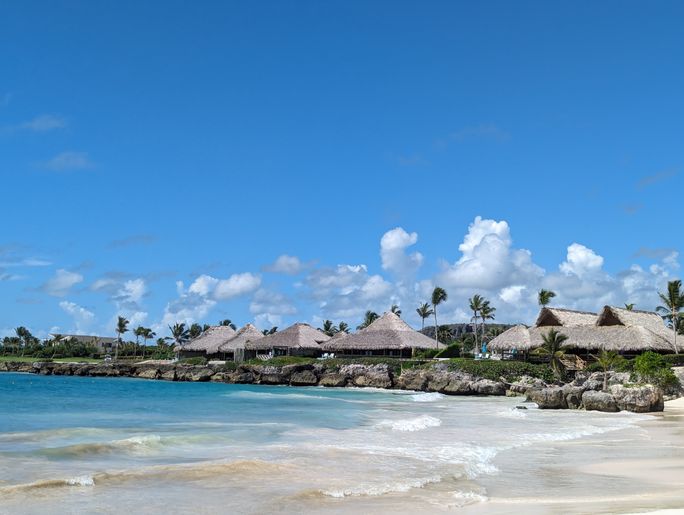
60,284
133,240
656,178
654,253
44,123
69,161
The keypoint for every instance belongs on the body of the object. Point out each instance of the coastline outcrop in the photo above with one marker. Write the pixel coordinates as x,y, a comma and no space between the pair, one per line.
584,392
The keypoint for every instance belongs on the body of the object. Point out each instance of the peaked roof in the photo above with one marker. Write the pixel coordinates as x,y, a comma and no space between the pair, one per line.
387,332
611,315
564,317
210,339
297,336
246,334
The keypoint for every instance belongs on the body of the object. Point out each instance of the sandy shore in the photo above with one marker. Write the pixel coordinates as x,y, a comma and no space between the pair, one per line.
638,470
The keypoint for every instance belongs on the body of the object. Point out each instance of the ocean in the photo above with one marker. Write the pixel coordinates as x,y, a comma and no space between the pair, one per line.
84,445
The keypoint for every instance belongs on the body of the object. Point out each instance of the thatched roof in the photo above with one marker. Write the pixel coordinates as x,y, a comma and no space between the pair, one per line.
339,334
246,334
387,332
210,339
564,317
589,337
297,336
652,321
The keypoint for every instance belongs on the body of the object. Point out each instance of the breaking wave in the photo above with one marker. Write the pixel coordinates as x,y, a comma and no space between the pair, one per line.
411,424
427,397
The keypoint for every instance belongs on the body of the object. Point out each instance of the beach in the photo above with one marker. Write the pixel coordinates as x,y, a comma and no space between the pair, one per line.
78,444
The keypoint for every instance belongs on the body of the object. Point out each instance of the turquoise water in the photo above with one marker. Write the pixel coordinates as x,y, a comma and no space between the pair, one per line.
76,444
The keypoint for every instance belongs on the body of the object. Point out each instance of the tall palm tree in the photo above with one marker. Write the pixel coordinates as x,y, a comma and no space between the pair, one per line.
227,322
424,311
121,328
148,334
606,360
673,303
138,332
25,337
486,313
439,295
544,297
343,327
475,303
180,335
368,319
328,328
396,309
630,307
553,349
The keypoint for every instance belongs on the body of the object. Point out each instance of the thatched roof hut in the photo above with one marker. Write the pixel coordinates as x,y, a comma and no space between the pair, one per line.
298,336
564,317
209,340
387,333
614,329
246,334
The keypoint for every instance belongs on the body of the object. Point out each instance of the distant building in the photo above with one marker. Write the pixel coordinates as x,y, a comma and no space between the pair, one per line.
103,344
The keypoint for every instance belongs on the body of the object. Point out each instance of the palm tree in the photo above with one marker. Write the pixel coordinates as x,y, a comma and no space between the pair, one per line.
544,297
673,303
444,334
606,360
475,303
194,331
439,295
486,313
138,332
553,349
328,327
148,334
424,311
121,328
368,319
228,323
343,327
629,307
396,309
180,334
25,337
272,330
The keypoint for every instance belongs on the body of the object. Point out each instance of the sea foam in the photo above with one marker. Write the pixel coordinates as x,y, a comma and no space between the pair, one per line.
411,424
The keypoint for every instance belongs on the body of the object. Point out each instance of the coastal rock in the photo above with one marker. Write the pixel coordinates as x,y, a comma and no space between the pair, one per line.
412,380
104,371
573,395
218,377
639,399
303,378
333,379
548,398
272,375
148,373
243,377
525,383
200,375
595,380
376,376
459,387
169,375
593,400
489,387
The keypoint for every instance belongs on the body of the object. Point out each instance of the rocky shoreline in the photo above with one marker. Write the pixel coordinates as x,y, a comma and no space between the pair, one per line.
584,392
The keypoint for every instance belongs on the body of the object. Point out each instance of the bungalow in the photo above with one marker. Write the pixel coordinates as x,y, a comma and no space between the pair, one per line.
389,335
208,342
234,349
297,340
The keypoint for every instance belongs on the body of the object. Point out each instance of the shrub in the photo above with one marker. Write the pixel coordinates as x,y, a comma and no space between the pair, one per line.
510,370
230,366
674,360
427,354
199,360
452,351
653,368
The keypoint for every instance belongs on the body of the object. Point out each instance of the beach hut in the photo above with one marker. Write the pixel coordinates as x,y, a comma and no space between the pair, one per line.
564,317
389,335
297,340
235,347
207,342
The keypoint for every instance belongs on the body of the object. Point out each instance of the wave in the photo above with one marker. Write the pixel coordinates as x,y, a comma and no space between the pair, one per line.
178,472
134,444
512,413
368,490
427,397
303,396
466,498
411,424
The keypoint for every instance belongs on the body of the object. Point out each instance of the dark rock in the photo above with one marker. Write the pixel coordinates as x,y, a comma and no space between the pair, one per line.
303,378
598,401
548,398
333,379
459,387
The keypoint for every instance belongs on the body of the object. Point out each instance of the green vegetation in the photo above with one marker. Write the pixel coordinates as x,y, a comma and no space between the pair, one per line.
673,303
554,350
652,368
30,359
607,359
544,297
509,370
198,360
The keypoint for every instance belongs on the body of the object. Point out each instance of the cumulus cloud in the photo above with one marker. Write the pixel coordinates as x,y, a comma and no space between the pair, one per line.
393,245
83,318
189,307
61,283
267,304
284,264
581,261
236,285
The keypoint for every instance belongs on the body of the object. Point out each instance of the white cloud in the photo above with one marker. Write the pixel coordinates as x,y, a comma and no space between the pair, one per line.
203,285
131,292
83,318
581,261
61,283
289,265
236,285
44,123
67,161
393,245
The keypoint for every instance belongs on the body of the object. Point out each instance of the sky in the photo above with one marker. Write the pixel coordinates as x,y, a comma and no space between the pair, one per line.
273,162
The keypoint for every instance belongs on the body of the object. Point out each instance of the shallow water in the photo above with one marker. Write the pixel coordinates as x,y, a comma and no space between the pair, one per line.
76,444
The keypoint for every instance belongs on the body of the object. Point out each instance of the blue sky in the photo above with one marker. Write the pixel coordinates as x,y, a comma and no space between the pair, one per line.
276,161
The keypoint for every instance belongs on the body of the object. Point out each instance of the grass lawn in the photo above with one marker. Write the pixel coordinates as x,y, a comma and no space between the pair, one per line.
58,360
